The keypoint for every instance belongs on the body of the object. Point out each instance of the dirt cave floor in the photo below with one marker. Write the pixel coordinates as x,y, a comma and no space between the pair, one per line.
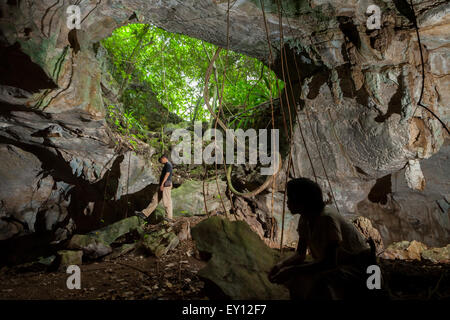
174,276
130,277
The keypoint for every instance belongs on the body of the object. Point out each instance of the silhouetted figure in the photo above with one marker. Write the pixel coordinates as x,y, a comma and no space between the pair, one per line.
340,252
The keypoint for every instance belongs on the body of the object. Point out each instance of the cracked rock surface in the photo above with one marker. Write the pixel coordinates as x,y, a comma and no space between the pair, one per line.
355,91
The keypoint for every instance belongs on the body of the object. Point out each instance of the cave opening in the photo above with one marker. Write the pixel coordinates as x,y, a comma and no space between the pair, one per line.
162,73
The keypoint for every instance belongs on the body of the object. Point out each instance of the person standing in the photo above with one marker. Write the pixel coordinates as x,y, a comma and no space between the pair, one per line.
164,191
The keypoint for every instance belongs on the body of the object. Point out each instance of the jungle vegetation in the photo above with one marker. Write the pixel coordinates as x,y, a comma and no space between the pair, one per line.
154,68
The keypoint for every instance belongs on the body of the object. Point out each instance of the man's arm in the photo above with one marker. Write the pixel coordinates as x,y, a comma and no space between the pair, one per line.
166,176
296,259
329,262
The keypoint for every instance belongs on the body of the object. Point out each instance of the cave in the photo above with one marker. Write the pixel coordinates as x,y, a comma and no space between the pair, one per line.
362,113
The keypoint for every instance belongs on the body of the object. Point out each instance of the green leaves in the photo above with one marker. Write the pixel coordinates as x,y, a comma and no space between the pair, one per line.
169,69
126,124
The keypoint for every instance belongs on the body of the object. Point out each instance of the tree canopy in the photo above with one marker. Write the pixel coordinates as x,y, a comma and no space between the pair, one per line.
172,67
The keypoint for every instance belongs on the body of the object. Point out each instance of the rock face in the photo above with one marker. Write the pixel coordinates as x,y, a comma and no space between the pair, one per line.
400,212
264,204
359,88
61,173
239,260
364,226
358,126
365,125
188,199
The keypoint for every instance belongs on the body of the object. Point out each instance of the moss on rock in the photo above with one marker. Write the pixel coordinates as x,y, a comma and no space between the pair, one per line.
240,261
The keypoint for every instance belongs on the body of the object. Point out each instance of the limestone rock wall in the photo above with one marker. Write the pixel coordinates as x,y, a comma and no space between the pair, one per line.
360,89
364,117
60,174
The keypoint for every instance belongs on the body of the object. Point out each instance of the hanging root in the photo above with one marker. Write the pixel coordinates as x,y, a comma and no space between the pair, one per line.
224,127
260,189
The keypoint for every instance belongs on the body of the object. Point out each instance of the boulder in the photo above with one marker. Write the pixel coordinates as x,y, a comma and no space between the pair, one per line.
92,247
405,250
437,255
69,257
263,204
122,250
239,260
97,243
110,233
159,242
414,250
46,261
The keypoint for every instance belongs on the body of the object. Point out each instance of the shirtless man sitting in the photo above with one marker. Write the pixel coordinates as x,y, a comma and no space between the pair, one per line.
340,252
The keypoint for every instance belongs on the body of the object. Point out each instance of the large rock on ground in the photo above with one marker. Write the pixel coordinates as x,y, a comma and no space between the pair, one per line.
405,250
97,243
92,247
159,242
110,233
240,261
122,250
437,255
414,250
69,257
